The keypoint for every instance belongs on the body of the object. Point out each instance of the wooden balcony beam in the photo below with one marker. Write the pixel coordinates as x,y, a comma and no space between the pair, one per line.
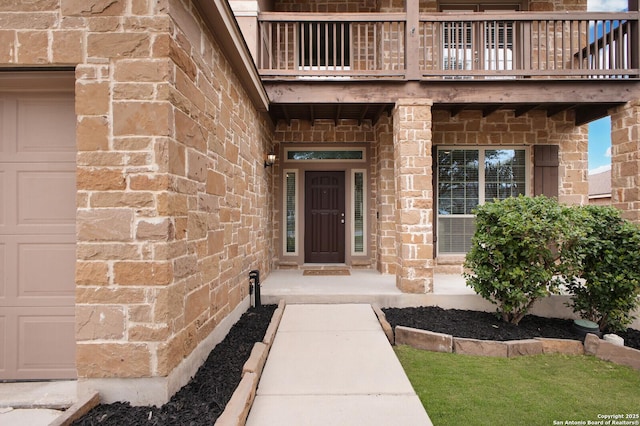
456,92
557,109
487,111
524,109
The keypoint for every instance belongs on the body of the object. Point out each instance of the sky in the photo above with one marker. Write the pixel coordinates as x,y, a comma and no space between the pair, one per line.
600,130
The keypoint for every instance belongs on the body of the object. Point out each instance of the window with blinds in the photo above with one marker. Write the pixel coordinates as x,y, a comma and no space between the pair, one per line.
467,178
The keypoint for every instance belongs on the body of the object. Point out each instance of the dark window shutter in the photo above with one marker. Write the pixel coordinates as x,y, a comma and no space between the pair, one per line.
545,172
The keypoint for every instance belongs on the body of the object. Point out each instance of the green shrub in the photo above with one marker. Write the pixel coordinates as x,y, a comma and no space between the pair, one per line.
514,258
604,280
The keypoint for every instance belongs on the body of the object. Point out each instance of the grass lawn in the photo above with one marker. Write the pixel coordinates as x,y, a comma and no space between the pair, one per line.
533,390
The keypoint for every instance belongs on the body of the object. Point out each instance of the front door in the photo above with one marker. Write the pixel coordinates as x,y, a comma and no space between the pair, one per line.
324,217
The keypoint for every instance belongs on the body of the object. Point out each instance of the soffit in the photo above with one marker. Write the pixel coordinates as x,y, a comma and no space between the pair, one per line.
369,100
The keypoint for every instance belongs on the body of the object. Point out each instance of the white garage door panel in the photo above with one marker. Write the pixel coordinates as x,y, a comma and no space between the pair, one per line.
2,197
44,344
39,262
40,198
46,198
51,134
37,235
4,343
3,270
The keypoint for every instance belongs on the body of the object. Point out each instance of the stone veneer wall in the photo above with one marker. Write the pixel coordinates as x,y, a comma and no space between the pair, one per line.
625,160
533,128
386,261
173,201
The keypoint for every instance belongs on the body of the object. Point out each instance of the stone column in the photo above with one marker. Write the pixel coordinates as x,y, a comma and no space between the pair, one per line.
625,160
414,195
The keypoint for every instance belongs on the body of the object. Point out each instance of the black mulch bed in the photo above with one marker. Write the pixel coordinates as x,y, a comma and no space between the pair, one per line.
203,399
487,326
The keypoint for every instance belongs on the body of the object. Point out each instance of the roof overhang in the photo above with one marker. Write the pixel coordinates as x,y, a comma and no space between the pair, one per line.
221,22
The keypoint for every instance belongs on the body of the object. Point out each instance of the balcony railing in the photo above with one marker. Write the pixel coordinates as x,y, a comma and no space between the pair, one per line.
448,45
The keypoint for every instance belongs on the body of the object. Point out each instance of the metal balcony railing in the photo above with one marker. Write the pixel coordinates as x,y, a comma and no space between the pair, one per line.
505,45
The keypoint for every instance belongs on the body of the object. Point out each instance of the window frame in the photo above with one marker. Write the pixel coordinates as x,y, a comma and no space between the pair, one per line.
364,212
296,213
481,180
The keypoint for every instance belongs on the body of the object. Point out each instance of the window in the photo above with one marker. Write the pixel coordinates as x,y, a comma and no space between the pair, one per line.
359,209
324,45
467,178
291,212
336,154
478,45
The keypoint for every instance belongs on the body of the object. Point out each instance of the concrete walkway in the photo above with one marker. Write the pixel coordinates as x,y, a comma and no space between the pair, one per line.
333,365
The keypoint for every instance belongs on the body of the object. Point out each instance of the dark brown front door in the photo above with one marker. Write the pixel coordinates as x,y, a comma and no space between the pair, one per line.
324,217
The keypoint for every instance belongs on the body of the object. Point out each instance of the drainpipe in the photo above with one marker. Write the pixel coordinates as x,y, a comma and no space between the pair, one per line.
254,287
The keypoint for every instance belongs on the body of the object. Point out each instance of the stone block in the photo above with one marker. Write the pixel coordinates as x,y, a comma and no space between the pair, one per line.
102,360
100,180
159,229
422,339
561,346
523,347
33,47
118,45
67,47
100,322
479,347
92,7
92,273
386,327
104,225
257,359
92,133
142,118
142,273
591,343
92,98
143,70
237,409
216,183
622,355
270,334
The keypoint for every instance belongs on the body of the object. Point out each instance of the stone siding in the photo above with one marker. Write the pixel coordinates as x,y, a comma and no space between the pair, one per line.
534,128
625,160
173,202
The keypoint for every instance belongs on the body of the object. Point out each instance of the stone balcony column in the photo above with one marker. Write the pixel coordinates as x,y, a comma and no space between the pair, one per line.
625,160
414,195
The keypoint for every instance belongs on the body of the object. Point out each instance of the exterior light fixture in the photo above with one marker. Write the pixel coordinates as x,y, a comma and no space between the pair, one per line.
271,159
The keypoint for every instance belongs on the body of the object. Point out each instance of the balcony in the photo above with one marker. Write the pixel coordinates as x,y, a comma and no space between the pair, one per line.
356,66
443,46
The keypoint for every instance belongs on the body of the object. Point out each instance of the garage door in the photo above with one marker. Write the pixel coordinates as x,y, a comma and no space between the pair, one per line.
37,235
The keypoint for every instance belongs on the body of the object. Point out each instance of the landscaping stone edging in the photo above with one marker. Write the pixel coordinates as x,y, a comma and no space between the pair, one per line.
237,409
386,327
438,342
84,404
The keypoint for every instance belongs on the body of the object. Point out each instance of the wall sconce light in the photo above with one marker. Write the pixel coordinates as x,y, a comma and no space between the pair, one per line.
271,159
